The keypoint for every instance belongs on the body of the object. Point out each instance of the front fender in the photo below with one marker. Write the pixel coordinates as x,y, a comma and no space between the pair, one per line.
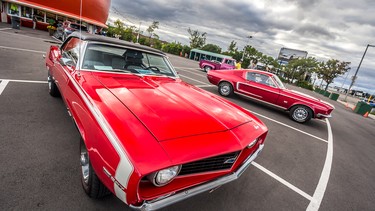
207,64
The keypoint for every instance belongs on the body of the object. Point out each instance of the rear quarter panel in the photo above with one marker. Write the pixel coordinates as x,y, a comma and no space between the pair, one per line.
231,76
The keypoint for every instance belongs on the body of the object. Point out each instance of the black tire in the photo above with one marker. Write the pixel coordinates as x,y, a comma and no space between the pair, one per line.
225,89
207,68
300,113
52,88
93,187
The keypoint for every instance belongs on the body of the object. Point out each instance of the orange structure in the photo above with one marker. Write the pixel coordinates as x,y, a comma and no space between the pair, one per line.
94,12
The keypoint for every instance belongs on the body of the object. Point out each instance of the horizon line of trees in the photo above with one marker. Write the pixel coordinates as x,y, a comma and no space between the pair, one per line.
294,72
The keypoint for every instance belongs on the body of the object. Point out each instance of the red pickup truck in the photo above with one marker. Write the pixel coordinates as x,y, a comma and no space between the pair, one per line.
225,64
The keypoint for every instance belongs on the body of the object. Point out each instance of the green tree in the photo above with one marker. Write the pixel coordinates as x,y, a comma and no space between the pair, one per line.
232,48
157,44
211,48
172,48
151,29
197,39
299,67
127,34
186,50
119,27
331,69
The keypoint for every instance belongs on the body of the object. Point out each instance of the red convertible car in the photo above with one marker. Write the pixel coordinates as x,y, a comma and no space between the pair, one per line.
146,136
267,88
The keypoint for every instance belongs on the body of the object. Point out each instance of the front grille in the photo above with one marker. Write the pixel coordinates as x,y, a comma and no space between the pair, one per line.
221,162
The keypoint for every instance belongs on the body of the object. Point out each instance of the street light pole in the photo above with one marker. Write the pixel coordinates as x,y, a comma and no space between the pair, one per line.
243,51
355,75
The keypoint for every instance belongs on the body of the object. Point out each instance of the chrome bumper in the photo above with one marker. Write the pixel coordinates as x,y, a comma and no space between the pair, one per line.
171,199
324,116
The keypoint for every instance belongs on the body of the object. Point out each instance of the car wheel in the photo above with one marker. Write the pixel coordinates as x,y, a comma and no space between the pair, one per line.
225,89
90,181
207,68
52,88
300,113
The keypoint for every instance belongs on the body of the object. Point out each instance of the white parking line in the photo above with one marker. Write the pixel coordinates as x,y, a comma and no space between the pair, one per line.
324,177
3,29
282,181
194,69
184,76
21,49
191,72
22,35
202,86
288,126
25,81
190,68
3,84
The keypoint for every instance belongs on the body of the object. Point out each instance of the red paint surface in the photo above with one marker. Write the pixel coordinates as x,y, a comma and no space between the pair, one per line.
160,122
284,98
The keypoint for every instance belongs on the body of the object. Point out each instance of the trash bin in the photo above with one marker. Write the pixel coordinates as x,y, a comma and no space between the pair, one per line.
362,108
16,22
327,94
334,96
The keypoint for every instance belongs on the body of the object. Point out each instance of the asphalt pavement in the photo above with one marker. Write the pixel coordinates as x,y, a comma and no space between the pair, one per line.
39,148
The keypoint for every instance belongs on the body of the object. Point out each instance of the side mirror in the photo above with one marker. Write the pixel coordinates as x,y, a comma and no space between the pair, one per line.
54,53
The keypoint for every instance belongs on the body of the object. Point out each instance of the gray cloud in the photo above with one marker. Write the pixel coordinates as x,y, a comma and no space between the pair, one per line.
338,29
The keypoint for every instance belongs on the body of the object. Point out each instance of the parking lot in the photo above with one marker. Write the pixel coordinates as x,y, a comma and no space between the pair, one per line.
325,165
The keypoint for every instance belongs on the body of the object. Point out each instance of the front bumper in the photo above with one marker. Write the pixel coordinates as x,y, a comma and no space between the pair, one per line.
323,116
171,199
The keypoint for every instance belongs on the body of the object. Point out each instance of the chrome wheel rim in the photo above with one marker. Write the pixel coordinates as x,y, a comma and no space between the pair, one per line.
300,114
85,166
225,89
207,68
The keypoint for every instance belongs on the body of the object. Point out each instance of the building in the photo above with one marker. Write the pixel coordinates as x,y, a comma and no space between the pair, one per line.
94,12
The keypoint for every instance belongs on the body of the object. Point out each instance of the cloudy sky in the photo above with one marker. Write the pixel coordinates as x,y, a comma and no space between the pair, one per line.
338,29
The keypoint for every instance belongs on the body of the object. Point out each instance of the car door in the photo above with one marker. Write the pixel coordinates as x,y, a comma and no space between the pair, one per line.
259,86
227,64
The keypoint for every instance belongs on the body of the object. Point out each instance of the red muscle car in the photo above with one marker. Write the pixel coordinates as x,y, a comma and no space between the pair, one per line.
146,136
267,88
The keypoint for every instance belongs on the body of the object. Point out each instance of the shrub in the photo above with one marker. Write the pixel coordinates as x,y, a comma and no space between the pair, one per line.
305,85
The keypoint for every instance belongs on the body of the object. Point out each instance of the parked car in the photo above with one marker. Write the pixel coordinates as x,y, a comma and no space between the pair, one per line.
67,28
146,136
225,64
371,102
267,88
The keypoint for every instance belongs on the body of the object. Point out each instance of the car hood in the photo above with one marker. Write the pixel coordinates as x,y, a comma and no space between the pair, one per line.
170,108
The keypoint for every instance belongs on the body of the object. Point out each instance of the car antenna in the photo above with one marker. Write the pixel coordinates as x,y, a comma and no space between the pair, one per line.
80,35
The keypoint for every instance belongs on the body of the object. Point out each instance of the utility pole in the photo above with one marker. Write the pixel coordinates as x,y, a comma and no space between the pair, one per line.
356,72
139,31
243,51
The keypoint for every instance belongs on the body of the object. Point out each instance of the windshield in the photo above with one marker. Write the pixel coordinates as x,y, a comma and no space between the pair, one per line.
116,59
278,81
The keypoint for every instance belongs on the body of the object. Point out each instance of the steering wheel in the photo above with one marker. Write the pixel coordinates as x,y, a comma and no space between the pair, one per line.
153,69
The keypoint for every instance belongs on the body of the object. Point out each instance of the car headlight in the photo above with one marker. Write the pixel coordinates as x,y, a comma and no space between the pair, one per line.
165,176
